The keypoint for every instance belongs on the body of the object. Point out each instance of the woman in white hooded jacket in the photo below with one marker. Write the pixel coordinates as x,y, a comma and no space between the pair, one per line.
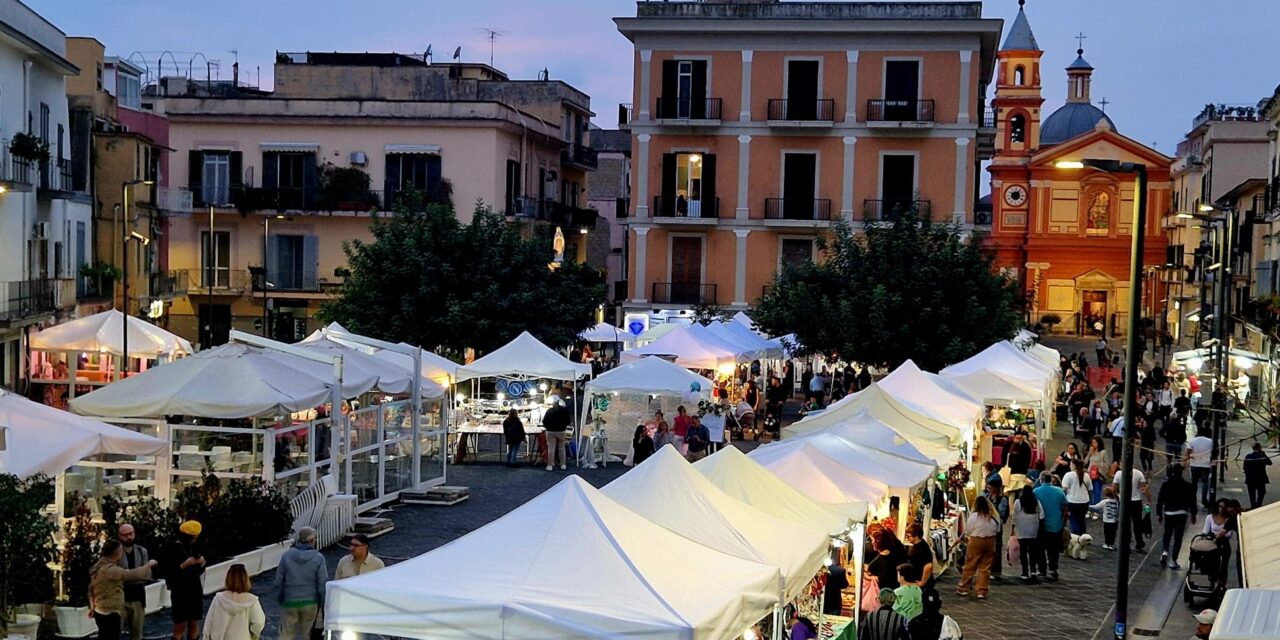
235,614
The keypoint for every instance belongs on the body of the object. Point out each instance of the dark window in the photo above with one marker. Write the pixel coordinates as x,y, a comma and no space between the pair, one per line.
215,324
1018,129
684,89
514,180
215,261
799,172
795,252
44,122
802,90
407,172
897,183
901,89
291,176
292,262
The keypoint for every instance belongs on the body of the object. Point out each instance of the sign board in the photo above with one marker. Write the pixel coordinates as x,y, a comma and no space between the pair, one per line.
636,323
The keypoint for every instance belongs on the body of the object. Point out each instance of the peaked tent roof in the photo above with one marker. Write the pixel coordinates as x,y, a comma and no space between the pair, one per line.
739,333
1020,37
524,356
1260,547
888,469
42,439
604,332
1007,359
650,375
103,333
389,377
734,473
667,490
613,574
913,425
921,391
866,430
993,387
825,480
688,348
434,367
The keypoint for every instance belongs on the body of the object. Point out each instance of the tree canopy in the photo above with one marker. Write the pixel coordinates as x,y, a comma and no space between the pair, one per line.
910,289
429,280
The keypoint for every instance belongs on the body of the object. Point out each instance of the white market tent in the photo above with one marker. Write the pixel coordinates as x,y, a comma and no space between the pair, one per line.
1005,358
572,564
524,356
690,348
667,490
41,439
994,388
921,391
866,430
938,439
734,473
817,475
230,381
603,332
389,377
657,331
647,377
745,320
1048,356
434,367
748,340
1248,614
897,473
104,333
1260,547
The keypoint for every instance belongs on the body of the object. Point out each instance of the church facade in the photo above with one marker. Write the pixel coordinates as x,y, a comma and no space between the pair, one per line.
1066,234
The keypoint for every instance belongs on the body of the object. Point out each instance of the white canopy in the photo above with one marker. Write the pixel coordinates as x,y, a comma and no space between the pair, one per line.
1260,547
41,439
921,391
434,367
657,331
603,332
890,470
920,429
1248,614
572,564
748,341
745,320
103,333
667,490
734,473
866,430
1049,357
690,346
524,356
230,381
650,376
825,480
994,388
389,377
1007,359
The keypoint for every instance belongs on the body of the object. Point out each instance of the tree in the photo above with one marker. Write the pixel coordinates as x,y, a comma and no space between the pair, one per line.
26,543
429,280
911,289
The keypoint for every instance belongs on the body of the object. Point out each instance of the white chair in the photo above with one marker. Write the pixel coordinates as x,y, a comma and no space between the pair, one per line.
189,448
221,459
190,462
242,461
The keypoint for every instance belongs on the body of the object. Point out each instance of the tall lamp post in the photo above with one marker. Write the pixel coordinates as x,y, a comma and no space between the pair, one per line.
124,263
1132,356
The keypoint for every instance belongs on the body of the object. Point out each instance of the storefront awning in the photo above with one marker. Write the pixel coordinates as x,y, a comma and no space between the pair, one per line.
297,147
431,149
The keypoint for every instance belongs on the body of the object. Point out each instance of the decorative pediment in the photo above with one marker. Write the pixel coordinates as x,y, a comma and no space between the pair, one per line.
1095,279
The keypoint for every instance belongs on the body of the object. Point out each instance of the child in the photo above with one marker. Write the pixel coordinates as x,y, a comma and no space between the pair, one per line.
1110,509
908,601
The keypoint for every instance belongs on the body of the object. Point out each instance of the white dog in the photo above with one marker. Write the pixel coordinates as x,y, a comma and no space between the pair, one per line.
1078,548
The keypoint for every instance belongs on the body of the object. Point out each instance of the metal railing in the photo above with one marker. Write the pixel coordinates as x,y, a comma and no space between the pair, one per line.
223,280
624,115
912,110
683,293
802,109
170,283
797,209
988,120
12,168
26,298
174,199
580,155
56,175
888,210
292,280
684,108
680,207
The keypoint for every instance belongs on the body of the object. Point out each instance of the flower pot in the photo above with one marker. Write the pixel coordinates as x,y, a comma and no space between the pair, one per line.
272,553
25,625
74,622
155,596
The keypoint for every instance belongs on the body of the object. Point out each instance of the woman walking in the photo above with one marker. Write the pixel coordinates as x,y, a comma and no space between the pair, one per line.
1098,462
1079,489
981,529
235,614
512,435
1026,526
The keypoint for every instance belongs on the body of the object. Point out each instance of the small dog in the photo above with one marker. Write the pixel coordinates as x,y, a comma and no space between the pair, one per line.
1078,548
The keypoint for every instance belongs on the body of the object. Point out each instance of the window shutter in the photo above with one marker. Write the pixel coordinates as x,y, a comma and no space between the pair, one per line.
270,170
310,262
709,186
310,180
433,178
235,166
391,181
667,203
670,84
195,176
698,108
271,258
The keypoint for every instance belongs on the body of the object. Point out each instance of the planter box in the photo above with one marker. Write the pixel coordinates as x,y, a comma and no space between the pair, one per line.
157,596
255,562
26,626
252,561
215,576
271,555
74,622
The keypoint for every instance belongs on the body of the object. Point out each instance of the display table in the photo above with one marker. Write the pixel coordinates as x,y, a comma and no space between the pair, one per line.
470,432
838,627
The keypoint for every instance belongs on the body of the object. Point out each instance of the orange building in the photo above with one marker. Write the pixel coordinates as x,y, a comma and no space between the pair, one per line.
1066,233
757,123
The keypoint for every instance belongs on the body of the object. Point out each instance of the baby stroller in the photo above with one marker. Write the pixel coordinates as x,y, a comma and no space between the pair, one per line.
1206,570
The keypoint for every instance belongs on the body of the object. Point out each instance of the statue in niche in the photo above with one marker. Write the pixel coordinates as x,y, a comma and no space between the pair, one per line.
1100,210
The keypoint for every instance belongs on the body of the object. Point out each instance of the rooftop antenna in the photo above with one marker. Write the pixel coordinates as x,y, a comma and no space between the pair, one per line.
492,34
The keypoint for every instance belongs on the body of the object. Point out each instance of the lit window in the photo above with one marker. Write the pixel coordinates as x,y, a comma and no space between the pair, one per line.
1017,129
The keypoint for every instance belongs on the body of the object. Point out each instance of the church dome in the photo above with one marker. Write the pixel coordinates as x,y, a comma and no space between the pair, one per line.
1071,120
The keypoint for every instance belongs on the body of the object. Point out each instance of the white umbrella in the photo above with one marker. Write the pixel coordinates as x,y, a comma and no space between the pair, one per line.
103,333
42,439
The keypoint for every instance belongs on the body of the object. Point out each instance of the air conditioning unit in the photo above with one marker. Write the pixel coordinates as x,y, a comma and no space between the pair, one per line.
40,230
359,159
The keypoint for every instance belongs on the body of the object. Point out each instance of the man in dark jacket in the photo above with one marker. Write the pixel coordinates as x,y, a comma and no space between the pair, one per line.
135,591
1255,475
837,581
884,623
300,583
1174,504
1018,457
556,422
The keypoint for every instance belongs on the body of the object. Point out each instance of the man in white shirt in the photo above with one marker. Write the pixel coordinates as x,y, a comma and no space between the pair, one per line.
1133,510
1116,431
1199,457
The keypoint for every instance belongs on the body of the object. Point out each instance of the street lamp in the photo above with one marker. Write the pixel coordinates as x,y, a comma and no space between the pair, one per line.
1223,285
1138,230
131,235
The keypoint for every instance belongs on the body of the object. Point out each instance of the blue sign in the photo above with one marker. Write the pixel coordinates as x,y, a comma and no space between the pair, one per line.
636,327
515,389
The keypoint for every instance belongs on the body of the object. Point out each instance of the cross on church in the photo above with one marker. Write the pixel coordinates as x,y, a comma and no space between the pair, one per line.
1080,38
1104,102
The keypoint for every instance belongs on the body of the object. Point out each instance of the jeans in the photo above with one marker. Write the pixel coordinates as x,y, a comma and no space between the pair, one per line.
1200,478
1097,491
135,614
1173,451
1109,533
1257,492
1171,543
297,622
513,452
555,448
1030,557
1050,550
1135,522
1147,456
108,625
1076,516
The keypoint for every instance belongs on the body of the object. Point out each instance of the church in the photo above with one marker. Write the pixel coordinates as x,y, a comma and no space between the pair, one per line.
1065,234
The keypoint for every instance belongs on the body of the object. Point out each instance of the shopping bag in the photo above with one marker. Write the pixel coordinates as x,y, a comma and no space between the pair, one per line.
1145,526
1012,551
870,598
950,629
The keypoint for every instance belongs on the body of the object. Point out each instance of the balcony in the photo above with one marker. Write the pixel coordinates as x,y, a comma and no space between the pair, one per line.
174,199
679,207
248,199
682,293
220,282
797,209
292,281
56,178
28,300
624,116
889,210
688,111
900,113
813,112
1227,113
170,284
581,156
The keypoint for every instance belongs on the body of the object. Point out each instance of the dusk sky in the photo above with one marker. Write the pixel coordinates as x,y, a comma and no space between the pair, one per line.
1158,62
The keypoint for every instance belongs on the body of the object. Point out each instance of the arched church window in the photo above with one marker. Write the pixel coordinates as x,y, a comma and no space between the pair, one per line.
1019,75
1018,129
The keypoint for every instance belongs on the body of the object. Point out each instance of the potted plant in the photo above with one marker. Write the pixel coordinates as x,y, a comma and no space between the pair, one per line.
154,526
79,553
28,147
346,189
1051,320
26,549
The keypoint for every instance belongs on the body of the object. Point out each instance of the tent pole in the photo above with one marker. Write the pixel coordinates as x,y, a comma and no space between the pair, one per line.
415,420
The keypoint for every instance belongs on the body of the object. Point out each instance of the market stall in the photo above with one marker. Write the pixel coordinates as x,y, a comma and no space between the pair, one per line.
826,481
925,394
570,563
74,357
1248,614
628,395
692,347
667,490
943,441
739,476
1260,547
1005,358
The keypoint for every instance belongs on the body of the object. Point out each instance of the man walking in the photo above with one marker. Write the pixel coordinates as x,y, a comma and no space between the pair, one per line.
1100,348
1199,456
1053,502
300,582
359,561
818,387
135,591
556,422
1255,475
1174,504
1133,511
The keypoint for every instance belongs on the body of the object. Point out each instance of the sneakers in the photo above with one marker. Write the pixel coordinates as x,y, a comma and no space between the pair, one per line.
550,468
961,592
1044,576
1164,559
982,596
563,467
1175,566
1109,547
1053,576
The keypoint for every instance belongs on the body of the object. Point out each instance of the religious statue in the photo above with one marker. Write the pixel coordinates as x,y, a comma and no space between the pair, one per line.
1100,210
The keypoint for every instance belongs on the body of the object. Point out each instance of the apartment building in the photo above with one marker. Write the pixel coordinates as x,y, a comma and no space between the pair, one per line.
610,195
281,179
756,124
45,215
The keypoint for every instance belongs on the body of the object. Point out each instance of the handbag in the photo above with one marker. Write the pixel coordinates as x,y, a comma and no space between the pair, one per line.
1013,551
1094,474
870,597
